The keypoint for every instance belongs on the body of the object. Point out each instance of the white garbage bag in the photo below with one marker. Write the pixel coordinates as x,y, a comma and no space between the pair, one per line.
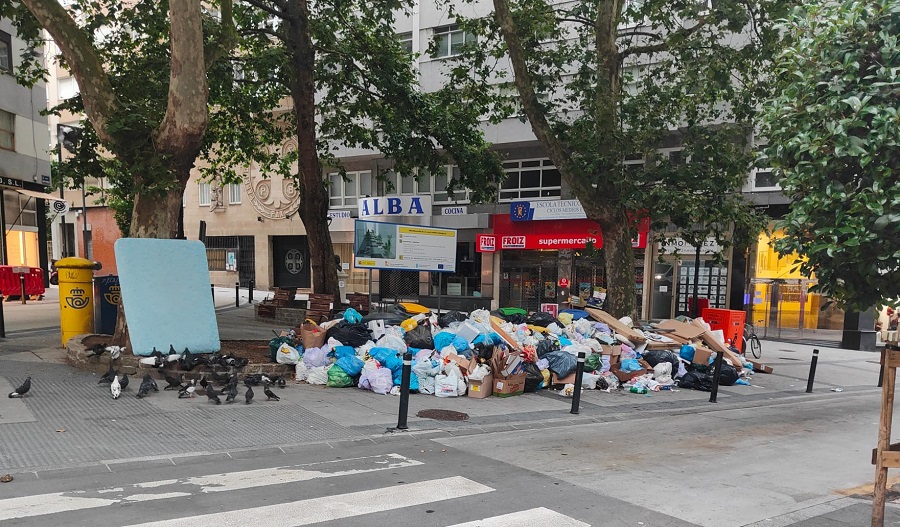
287,354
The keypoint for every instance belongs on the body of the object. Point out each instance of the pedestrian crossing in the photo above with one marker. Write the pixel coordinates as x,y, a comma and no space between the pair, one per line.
339,491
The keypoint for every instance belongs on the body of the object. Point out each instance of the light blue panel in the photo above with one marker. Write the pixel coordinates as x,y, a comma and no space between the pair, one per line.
165,293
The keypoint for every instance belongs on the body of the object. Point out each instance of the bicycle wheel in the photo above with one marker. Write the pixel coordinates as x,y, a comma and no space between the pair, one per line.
755,347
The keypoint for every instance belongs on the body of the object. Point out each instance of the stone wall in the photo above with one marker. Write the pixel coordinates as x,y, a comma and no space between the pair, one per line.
290,317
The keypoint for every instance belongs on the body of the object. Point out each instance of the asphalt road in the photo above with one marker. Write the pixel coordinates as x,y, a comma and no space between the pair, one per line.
794,464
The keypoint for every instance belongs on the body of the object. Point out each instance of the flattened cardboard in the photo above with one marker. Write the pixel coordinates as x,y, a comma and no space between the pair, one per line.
495,325
760,367
674,328
565,380
615,325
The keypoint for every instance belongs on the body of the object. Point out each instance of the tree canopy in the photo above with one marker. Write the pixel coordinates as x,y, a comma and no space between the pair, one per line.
606,85
834,140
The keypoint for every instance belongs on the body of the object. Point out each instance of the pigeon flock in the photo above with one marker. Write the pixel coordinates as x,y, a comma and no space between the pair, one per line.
186,362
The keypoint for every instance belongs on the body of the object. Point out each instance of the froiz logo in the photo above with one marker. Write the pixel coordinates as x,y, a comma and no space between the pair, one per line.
77,300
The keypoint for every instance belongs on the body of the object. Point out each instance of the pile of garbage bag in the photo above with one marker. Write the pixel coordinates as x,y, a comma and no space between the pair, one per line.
504,353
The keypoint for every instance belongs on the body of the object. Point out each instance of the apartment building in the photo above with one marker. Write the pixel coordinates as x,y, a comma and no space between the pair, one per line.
24,160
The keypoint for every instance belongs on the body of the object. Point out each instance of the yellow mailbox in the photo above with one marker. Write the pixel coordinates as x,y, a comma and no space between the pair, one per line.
76,296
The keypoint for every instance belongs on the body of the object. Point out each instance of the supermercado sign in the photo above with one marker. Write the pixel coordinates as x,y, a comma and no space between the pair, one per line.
569,234
378,245
395,206
567,209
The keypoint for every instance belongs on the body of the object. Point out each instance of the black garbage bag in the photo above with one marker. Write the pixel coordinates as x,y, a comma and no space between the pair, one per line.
512,318
546,346
390,319
419,337
728,375
353,335
484,351
695,380
542,319
654,357
533,377
562,363
450,317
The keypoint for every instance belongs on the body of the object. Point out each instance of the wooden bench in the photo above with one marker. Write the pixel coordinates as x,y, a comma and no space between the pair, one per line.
359,302
319,307
283,297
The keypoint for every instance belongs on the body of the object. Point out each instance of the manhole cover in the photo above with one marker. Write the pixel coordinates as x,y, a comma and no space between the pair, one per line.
443,415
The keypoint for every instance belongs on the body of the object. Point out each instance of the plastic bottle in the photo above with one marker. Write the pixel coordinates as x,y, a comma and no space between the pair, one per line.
639,389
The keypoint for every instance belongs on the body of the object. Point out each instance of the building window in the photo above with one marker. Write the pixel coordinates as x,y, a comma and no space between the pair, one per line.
764,178
441,181
67,88
532,178
406,41
7,130
345,191
234,193
205,194
450,41
395,184
6,63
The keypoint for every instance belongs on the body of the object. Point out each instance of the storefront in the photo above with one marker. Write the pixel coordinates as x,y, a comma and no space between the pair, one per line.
547,256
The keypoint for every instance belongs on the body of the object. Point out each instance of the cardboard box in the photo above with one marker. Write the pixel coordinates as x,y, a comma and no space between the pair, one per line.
625,376
675,329
513,362
509,386
611,350
702,355
465,365
481,389
554,380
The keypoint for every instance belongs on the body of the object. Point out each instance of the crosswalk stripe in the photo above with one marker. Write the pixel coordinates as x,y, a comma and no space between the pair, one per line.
534,517
39,505
340,506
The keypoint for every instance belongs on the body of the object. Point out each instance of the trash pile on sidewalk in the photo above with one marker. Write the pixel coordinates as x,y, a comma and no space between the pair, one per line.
505,352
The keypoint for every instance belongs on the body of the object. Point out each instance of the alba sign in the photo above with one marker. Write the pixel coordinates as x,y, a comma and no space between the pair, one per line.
395,206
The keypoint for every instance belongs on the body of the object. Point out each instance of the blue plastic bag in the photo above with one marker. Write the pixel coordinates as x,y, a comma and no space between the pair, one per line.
687,352
352,316
344,351
387,358
630,365
459,343
351,364
444,339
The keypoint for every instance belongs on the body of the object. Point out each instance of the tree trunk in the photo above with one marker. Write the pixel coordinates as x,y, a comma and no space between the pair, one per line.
619,259
313,194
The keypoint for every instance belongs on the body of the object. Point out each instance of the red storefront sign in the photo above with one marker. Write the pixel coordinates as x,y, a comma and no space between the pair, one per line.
485,243
555,234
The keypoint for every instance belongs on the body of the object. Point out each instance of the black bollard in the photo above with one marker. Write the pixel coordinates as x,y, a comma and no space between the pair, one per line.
22,281
579,374
404,391
812,371
250,296
881,371
2,321
717,370
212,291
237,294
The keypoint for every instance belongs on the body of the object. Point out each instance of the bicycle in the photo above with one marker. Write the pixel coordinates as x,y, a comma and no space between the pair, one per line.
751,341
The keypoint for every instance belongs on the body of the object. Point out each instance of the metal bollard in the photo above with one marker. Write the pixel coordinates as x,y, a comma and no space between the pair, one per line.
812,371
2,320
404,391
250,295
22,282
881,371
579,375
212,291
717,370
237,294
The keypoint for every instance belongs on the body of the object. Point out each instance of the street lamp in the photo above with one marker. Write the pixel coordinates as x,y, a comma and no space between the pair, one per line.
67,137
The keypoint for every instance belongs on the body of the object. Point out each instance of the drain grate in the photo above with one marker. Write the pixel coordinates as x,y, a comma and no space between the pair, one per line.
443,415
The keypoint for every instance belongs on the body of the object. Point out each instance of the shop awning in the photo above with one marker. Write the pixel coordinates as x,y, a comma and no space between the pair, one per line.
39,195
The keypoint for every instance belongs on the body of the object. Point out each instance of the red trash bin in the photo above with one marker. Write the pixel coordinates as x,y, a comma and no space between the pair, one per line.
730,321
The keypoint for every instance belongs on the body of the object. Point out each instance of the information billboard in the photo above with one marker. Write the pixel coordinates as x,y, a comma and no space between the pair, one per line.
379,245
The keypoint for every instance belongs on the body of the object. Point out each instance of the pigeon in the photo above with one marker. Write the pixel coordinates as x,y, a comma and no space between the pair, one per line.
124,381
221,378
21,390
213,395
115,388
109,375
174,384
253,380
188,389
154,361
280,382
187,360
172,350
231,393
146,385
270,394
115,352
248,397
96,350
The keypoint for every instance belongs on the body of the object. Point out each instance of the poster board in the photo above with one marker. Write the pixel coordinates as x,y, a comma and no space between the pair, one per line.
380,245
